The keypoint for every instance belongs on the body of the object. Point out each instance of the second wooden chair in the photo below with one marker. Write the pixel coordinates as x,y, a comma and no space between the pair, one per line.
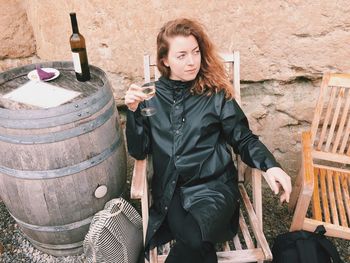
321,193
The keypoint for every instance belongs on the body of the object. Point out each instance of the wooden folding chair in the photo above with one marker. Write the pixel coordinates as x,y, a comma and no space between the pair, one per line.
250,243
324,177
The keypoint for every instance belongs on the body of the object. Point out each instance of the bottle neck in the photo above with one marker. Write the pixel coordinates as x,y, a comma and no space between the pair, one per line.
74,23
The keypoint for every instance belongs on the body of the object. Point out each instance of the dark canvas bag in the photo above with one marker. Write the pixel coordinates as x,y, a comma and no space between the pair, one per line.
304,247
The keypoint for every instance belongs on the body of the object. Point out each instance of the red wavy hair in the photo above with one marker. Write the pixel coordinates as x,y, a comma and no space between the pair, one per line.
212,76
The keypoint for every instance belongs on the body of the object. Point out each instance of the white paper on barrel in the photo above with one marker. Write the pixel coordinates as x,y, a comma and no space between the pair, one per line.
41,94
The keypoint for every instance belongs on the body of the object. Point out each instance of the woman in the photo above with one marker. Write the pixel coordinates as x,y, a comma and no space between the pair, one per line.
194,186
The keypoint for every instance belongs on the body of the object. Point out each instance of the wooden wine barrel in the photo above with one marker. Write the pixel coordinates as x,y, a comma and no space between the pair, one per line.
55,161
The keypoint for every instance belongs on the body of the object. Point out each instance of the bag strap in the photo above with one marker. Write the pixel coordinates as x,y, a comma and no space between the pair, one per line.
330,249
326,244
120,208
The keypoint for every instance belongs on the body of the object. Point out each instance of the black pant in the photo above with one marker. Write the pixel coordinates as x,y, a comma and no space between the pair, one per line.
189,246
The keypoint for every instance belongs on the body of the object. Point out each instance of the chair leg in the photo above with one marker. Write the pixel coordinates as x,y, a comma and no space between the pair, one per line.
295,193
300,211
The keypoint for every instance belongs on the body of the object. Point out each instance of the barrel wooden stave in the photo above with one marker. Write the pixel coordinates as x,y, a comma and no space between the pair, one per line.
32,156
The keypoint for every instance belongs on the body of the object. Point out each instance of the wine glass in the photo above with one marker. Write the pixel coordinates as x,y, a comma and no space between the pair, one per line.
150,90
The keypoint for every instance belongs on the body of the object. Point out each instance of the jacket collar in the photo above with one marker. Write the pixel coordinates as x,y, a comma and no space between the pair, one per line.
175,84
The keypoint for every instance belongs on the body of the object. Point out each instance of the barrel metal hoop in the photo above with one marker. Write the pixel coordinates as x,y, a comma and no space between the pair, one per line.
94,105
60,135
70,246
60,228
61,172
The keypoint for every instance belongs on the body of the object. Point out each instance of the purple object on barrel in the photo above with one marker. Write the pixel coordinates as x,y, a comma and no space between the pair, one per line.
43,75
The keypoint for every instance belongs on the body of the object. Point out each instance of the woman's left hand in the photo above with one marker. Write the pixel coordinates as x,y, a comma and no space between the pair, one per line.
276,179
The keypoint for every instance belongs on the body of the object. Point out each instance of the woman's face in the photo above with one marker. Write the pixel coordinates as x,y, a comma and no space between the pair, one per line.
184,58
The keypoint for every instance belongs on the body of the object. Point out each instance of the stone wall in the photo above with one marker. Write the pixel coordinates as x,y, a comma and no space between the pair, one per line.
16,38
16,34
285,46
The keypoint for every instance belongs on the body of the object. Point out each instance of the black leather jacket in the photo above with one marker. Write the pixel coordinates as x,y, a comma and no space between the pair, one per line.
189,139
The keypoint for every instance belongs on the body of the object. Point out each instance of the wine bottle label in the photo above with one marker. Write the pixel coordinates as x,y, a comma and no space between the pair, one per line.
76,62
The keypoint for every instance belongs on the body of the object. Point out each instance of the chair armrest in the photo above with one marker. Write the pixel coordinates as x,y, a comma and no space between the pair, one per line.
138,180
307,163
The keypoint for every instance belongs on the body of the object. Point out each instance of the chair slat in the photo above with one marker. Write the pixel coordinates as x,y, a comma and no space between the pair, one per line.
316,206
345,187
345,140
343,120
326,120
319,109
348,144
334,120
324,196
332,202
340,203
245,232
237,243
226,246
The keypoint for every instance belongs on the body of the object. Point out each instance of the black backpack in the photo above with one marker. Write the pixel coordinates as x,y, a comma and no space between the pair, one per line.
304,247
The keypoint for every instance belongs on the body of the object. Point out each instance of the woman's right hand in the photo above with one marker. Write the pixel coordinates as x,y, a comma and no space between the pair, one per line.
134,96
276,178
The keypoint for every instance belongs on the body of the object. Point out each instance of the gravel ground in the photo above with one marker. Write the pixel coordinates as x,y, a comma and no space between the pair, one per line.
15,248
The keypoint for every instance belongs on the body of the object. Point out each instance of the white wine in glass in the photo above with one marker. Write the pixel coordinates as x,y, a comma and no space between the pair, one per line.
150,90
